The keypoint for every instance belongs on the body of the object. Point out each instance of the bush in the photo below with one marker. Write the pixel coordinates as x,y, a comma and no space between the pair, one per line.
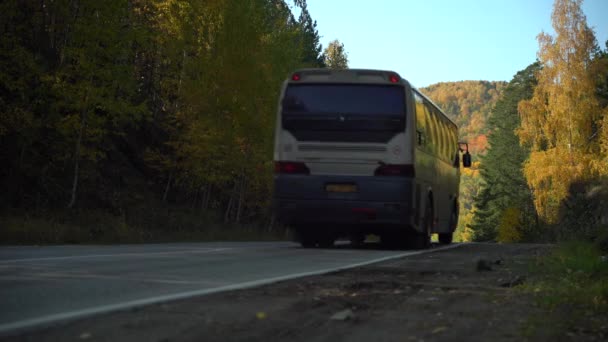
573,277
508,229
583,212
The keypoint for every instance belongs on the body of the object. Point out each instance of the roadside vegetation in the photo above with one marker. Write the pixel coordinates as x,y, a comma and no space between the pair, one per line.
140,225
571,284
544,175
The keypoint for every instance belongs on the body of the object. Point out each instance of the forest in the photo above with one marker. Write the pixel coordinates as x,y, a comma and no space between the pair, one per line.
140,118
149,115
544,172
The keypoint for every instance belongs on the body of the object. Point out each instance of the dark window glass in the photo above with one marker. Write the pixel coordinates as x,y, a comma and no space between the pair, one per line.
344,112
345,99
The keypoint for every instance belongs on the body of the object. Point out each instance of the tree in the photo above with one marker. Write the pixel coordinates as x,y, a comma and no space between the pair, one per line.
600,69
335,55
309,37
504,185
560,122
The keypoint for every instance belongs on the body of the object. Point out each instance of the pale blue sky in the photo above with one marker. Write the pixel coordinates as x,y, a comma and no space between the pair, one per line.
430,41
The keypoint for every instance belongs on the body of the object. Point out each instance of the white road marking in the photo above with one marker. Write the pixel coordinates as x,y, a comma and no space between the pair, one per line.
190,251
11,328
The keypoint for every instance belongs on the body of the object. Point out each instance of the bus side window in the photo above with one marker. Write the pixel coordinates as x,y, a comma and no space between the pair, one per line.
444,140
454,145
432,124
447,150
421,131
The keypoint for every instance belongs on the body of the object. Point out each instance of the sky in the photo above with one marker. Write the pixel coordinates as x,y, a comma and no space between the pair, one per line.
431,41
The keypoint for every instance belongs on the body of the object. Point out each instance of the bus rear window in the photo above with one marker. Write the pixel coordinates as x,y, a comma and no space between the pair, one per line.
346,99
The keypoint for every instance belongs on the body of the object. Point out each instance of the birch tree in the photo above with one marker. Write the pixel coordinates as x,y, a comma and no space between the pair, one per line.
560,121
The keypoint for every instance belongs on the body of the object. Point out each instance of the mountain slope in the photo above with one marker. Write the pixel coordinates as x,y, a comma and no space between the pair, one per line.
468,103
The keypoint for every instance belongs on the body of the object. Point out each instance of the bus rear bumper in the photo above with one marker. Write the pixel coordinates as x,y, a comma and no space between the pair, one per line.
342,212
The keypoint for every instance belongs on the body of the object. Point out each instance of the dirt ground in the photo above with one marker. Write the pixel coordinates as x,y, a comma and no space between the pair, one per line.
461,294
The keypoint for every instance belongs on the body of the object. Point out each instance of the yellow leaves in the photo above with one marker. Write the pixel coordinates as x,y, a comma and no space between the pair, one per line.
508,229
466,235
473,171
260,315
550,174
558,122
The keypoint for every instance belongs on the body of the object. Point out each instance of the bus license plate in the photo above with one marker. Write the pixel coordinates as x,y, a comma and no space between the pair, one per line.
341,188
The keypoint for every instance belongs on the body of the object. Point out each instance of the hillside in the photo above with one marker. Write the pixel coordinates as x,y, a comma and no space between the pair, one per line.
468,103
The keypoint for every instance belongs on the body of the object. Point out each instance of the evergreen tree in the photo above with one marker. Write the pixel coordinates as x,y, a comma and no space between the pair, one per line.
504,185
309,37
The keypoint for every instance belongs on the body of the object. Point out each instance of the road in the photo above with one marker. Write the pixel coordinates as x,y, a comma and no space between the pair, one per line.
441,295
42,285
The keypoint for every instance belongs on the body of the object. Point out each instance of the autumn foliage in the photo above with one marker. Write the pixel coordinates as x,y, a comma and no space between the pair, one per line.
560,122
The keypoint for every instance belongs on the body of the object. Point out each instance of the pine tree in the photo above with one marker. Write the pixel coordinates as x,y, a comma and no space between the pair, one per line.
504,185
309,37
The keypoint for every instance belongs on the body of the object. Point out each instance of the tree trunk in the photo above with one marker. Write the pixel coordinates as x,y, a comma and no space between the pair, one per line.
168,186
83,123
228,212
228,209
242,183
206,197
271,225
195,201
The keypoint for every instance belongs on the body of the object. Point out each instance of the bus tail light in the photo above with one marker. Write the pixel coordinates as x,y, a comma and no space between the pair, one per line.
400,170
290,167
295,77
393,78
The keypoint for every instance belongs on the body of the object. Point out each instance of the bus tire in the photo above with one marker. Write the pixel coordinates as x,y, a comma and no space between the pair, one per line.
422,240
306,238
446,238
326,242
357,240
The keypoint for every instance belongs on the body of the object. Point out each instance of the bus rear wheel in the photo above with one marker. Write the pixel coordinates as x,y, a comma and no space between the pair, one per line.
306,238
446,238
422,240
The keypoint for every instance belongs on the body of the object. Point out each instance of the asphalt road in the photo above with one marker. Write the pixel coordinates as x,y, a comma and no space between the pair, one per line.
42,285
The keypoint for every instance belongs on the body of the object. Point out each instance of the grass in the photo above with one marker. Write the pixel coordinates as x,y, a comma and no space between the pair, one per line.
571,283
140,226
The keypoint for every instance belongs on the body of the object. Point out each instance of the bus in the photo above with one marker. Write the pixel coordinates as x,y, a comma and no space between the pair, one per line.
361,152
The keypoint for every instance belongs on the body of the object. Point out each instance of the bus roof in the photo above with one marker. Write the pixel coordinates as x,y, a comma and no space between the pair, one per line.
368,76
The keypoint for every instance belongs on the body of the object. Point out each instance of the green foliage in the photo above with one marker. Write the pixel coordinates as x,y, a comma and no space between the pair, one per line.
504,185
308,37
574,277
147,224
